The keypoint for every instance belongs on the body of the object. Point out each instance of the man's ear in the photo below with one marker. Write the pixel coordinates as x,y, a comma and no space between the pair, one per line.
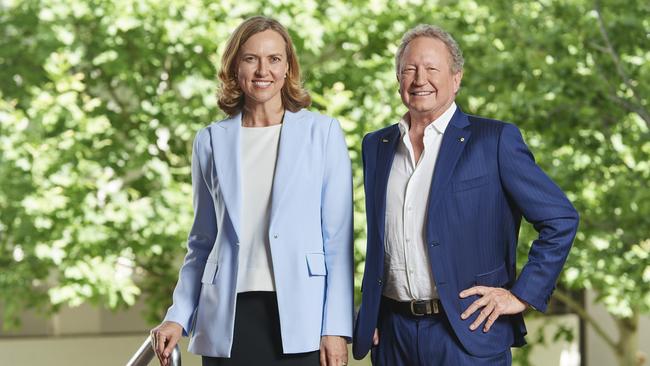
457,77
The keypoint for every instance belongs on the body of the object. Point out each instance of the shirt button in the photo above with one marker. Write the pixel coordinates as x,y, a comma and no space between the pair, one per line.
275,236
410,208
407,240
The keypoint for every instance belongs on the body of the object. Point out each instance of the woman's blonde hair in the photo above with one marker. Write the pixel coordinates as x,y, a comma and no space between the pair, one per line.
230,95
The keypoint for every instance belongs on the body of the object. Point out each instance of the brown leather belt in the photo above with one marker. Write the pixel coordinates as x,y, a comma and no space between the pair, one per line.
414,307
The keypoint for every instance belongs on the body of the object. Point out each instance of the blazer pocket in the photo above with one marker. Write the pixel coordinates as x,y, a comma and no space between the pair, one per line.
316,264
209,272
466,184
495,278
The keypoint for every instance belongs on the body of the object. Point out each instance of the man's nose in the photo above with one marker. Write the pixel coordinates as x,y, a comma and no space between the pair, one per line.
420,77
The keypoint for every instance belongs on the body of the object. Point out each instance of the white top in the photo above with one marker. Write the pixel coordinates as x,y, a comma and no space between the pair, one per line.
407,269
259,152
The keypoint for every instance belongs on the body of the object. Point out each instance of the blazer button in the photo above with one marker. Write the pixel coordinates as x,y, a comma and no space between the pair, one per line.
379,281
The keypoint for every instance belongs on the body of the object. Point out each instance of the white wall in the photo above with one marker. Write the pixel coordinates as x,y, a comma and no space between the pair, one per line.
598,352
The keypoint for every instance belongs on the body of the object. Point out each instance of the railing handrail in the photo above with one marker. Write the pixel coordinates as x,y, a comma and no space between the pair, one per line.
146,353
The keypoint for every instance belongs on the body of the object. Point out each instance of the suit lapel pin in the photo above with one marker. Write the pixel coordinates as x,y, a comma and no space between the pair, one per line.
462,139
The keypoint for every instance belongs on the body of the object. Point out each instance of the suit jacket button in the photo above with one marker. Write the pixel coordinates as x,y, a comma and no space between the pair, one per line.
379,281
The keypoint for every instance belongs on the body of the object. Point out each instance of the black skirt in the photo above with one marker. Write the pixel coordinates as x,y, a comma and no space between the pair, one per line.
257,339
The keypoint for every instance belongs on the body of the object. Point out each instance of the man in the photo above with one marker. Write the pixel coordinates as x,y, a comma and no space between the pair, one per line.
445,194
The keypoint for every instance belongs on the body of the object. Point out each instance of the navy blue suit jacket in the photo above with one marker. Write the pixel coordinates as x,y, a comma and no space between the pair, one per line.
484,181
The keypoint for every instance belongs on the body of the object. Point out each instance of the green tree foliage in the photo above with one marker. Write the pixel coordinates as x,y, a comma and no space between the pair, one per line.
100,100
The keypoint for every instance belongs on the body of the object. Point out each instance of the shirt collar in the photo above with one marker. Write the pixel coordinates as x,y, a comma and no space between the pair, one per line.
439,124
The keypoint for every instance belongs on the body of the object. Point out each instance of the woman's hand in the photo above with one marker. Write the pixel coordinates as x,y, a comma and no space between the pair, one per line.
333,351
164,337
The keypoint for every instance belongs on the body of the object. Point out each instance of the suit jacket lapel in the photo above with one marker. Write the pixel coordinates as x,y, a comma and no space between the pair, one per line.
226,145
289,150
386,147
454,141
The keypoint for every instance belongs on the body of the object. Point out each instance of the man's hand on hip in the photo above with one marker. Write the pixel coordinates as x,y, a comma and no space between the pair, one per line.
495,301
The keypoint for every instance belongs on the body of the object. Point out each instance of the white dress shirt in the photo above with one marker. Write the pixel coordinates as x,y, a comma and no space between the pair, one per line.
259,149
407,269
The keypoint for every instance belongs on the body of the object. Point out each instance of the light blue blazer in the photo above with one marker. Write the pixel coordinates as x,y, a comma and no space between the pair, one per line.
310,233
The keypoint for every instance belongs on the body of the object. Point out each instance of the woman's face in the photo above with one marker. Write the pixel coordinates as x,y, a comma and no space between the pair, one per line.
262,67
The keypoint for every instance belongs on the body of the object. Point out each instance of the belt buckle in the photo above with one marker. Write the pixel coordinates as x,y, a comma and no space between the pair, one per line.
431,307
413,303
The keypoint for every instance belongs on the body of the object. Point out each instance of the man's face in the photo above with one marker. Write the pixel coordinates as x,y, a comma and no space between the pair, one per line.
426,82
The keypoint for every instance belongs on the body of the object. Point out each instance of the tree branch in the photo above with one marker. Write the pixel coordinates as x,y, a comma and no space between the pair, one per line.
609,49
584,315
631,107
116,99
622,102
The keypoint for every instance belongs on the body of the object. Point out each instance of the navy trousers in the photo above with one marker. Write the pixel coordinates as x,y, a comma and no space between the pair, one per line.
406,340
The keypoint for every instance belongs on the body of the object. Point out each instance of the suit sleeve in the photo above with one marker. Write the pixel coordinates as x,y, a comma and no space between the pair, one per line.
336,224
545,206
199,243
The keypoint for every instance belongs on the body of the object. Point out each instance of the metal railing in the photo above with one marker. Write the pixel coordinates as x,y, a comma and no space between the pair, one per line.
146,353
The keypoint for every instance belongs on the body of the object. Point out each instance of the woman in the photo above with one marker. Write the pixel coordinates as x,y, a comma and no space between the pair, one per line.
267,279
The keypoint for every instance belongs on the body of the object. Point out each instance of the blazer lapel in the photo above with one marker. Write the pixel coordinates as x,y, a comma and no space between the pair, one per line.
454,141
291,143
385,154
226,147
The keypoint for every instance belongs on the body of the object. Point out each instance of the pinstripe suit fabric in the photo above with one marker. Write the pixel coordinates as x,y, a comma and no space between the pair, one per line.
485,181
402,344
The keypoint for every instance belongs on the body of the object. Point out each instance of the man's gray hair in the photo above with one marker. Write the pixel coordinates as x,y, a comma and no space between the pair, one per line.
431,31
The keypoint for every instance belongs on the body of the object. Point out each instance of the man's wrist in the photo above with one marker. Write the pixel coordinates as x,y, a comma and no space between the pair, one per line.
526,304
